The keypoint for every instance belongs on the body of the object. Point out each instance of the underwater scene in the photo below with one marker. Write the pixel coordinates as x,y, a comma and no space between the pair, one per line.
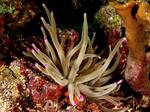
74,55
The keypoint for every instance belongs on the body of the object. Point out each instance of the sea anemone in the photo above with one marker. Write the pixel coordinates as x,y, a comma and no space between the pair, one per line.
79,69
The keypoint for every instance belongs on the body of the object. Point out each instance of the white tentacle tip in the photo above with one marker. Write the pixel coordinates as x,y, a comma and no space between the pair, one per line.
119,82
35,64
124,39
74,104
43,5
46,65
42,27
81,98
32,50
42,18
85,17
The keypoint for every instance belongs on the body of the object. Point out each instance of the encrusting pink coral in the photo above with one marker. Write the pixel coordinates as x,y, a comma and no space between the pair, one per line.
136,72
